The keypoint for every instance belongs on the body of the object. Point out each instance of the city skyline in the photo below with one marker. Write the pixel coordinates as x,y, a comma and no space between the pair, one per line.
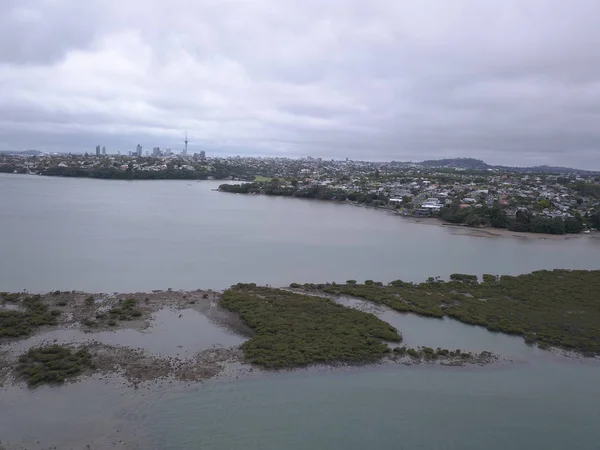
508,82
156,151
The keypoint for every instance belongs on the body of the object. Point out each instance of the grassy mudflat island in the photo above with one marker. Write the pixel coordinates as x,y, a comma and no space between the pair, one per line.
298,330
559,308
59,336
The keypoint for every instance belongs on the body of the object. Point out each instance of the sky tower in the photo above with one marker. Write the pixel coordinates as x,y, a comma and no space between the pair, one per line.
186,142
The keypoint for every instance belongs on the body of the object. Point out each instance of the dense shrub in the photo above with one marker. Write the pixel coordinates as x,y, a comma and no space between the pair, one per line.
298,330
22,323
126,310
53,364
487,278
464,278
559,308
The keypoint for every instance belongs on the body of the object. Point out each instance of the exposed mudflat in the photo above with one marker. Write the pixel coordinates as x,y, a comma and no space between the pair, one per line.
180,336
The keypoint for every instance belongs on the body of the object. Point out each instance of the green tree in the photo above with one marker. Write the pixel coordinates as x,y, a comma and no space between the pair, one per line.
544,204
498,217
521,222
475,220
573,225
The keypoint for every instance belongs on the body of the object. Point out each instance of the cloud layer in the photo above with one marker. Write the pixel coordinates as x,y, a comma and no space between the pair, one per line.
512,81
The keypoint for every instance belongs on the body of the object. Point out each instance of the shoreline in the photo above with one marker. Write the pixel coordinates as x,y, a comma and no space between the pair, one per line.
113,353
84,320
460,230
464,230
490,232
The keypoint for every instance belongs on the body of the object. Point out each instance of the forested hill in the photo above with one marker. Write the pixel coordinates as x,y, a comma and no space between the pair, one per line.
477,164
461,163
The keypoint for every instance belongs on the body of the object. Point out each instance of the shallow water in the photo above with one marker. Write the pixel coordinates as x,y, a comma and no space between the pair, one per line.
542,400
172,333
451,334
518,407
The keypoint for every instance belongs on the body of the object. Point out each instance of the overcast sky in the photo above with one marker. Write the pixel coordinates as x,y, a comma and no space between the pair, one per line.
509,81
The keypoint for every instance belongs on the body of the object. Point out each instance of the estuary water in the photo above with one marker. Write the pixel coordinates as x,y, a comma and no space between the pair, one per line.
123,236
103,236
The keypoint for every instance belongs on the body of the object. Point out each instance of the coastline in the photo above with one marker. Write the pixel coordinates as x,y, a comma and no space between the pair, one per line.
490,232
120,332
458,229
125,348
485,232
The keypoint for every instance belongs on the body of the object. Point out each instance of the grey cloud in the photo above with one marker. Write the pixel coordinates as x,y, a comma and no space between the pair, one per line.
43,31
510,82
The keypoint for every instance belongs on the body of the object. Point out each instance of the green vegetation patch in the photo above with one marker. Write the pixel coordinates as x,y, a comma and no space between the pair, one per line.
21,323
260,178
559,308
125,310
54,364
10,297
298,330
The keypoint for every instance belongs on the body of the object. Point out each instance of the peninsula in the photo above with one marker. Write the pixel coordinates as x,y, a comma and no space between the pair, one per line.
550,200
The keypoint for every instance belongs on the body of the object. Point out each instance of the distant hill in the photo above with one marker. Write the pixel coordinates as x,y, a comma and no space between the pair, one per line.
22,153
477,164
458,163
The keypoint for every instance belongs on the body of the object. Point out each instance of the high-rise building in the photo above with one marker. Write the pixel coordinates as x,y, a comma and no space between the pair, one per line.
202,154
156,152
97,150
184,152
103,150
138,150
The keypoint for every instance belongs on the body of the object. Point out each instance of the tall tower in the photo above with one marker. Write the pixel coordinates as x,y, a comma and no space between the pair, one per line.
186,143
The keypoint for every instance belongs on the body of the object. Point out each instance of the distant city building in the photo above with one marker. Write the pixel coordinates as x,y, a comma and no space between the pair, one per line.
156,152
103,150
167,151
202,154
97,150
138,150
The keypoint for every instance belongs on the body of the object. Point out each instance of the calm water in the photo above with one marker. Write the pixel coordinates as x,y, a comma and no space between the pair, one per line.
172,333
546,405
104,236
117,236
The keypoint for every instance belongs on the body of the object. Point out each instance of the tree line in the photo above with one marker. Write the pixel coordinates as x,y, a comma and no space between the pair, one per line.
524,221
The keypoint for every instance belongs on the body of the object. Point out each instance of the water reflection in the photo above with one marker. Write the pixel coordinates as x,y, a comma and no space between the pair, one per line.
449,333
172,333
